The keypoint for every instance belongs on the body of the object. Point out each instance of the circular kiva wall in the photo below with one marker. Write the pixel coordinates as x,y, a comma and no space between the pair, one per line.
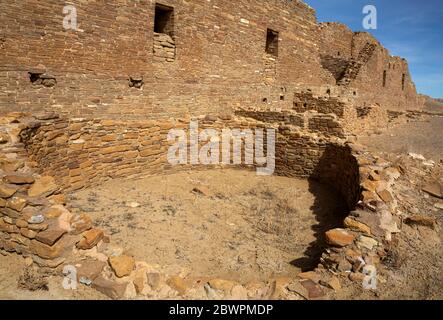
81,153
43,158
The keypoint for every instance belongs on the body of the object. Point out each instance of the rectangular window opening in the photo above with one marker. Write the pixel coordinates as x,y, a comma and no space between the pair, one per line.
384,78
272,42
164,19
403,78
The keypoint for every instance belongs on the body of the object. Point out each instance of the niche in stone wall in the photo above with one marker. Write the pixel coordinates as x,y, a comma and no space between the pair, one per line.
403,78
164,43
42,79
136,82
384,78
272,42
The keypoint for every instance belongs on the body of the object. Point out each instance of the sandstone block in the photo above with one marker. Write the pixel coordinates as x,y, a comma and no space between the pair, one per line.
122,265
339,237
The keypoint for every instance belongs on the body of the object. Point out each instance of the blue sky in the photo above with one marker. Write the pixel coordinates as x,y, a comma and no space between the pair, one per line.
411,29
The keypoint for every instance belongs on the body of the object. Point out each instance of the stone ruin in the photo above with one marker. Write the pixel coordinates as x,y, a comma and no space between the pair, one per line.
81,107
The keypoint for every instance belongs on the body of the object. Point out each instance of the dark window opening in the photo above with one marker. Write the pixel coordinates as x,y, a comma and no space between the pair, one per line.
282,98
164,20
403,78
384,78
265,100
355,93
338,53
272,42
328,91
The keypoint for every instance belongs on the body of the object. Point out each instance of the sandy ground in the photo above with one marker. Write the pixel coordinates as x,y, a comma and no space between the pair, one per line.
220,223
423,137
9,289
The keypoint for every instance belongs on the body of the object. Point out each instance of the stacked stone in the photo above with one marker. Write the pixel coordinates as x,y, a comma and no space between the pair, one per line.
306,101
270,69
33,220
326,124
355,65
35,223
164,48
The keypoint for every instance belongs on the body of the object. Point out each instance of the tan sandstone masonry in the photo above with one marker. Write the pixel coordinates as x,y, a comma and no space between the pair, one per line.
212,62
81,152
363,180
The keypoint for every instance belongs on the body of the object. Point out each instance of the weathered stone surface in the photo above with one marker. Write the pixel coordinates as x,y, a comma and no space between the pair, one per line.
90,239
44,263
355,225
4,138
90,269
435,189
122,265
385,195
110,288
238,292
178,284
277,287
10,213
5,227
19,178
421,220
43,186
50,235
310,275
80,223
154,280
7,190
16,203
222,285
53,212
339,237
48,252
315,291
367,242
30,234
334,284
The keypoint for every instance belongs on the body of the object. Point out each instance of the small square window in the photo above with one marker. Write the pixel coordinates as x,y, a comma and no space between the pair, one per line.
272,42
164,19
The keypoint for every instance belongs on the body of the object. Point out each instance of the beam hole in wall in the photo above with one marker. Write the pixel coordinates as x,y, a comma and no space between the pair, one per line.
136,82
37,78
272,42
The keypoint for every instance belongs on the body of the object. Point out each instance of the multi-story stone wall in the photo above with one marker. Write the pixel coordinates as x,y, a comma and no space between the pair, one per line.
171,58
366,70
219,59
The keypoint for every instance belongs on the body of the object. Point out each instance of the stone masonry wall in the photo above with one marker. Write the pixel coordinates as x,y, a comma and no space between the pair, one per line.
82,152
370,63
35,223
218,62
